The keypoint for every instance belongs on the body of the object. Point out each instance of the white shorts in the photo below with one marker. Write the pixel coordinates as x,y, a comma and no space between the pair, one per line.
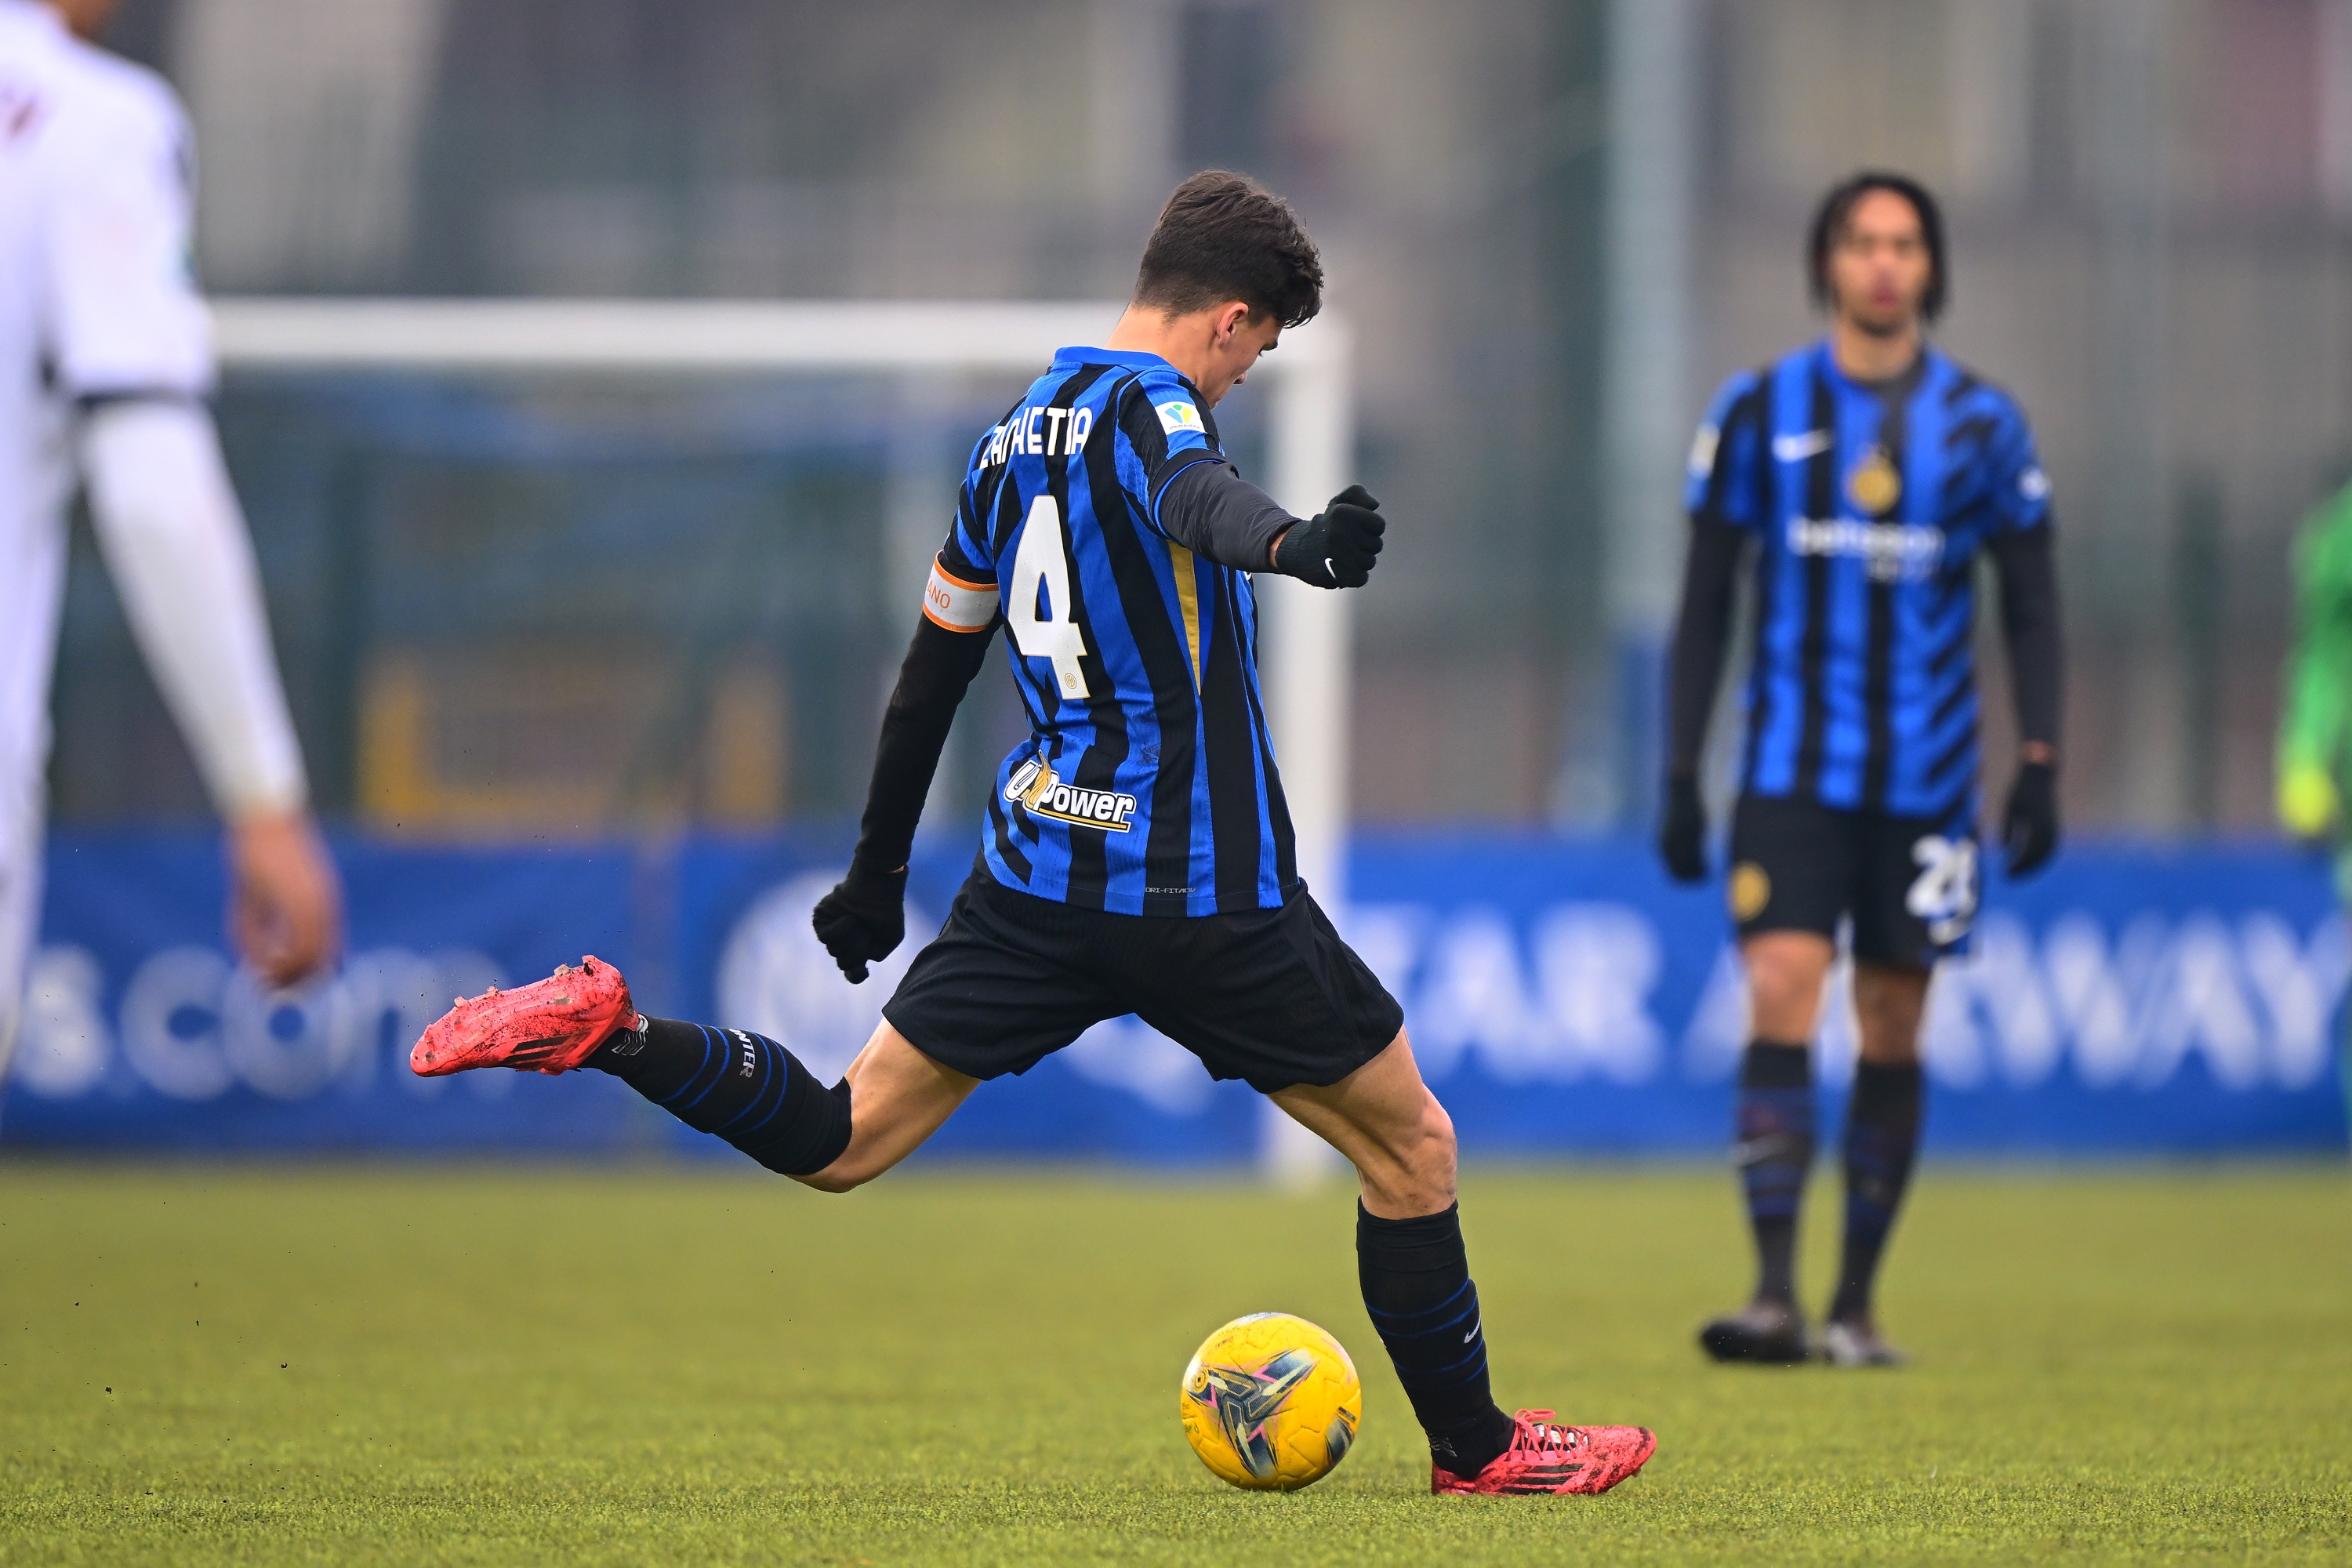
20,913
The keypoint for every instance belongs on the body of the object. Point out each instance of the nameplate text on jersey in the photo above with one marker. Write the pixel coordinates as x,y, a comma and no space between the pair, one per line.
1040,433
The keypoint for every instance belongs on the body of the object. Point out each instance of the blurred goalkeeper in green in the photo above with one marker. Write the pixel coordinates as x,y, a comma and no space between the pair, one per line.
2319,682
2312,723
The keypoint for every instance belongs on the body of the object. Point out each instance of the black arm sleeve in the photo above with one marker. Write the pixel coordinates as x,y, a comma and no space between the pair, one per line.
1212,510
2028,569
1702,633
939,664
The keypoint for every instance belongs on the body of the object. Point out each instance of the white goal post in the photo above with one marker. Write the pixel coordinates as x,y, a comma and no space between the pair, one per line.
1310,424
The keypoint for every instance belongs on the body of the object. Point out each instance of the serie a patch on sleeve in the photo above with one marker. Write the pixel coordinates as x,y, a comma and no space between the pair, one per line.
1177,416
958,605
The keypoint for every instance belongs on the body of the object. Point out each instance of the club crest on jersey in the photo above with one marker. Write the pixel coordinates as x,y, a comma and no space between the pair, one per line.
1874,484
1178,417
1038,790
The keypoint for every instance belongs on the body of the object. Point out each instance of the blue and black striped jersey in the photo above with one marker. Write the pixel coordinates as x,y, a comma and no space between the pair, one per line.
1147,784
1869,504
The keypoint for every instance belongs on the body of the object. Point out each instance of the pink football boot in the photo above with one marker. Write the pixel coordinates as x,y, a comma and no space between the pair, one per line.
1545,1456
551,1026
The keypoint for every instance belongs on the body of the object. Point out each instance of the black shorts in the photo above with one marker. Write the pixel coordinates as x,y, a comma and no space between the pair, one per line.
1270,997
1909,883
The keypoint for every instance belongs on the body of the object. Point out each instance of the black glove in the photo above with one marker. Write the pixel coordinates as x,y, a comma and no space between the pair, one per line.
1336,548
2029,828
864,919
1681,831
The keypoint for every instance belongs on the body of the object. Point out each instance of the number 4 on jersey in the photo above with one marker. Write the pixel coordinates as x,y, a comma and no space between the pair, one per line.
1042,560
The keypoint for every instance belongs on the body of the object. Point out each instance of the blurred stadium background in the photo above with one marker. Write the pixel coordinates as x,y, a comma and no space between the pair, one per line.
582,663
2153,210
594,663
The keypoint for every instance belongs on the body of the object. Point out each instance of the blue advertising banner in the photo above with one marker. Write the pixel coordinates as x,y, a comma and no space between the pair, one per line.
1567,997
1564,998
140,1033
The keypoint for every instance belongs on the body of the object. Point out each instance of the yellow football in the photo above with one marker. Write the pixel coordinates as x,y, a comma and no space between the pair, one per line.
1271,1402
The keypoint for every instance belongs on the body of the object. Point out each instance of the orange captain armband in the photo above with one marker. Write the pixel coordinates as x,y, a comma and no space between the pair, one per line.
958,606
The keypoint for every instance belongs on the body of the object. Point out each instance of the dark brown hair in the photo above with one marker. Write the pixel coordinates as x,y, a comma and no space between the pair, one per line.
1225,236
1830,220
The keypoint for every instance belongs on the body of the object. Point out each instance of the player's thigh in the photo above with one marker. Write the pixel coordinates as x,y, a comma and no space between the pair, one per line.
897,1098
1272,997
1389,1125
1915,894
1793,865
994,993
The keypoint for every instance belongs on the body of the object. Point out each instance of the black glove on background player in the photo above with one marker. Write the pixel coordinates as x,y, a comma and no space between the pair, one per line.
1681,831
864,919
2029,827
1337,547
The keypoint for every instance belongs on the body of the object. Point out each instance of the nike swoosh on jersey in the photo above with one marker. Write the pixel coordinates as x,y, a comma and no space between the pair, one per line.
1796,448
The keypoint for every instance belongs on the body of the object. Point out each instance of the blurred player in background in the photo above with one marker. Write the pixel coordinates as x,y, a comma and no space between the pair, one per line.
2318,698
1137,855
1864,473
105,363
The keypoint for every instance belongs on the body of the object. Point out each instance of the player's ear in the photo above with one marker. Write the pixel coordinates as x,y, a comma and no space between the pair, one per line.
1232,317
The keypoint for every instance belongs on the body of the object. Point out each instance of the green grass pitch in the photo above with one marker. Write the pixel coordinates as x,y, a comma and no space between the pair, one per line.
493,1365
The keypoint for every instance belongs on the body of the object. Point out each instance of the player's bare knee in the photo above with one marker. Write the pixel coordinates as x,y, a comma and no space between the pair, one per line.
1784,983
1889,1004
1418,1175
1890,1040
1779,979
845,1174
1437,1148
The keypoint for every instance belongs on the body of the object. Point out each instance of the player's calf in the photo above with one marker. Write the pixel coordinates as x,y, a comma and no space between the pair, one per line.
743,1088
1415,1275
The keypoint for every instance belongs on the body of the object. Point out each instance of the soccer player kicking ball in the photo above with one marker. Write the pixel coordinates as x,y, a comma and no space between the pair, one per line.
1137,855
1865,472
108,358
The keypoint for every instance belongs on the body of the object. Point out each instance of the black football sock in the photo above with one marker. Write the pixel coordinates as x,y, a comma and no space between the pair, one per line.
1417,1290
740,1087
1775,1154
1882,1138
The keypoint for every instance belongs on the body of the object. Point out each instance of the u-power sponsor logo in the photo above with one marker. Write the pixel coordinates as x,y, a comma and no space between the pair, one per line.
1037,789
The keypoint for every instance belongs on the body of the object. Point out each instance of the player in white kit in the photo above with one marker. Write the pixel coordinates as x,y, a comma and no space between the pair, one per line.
105,362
